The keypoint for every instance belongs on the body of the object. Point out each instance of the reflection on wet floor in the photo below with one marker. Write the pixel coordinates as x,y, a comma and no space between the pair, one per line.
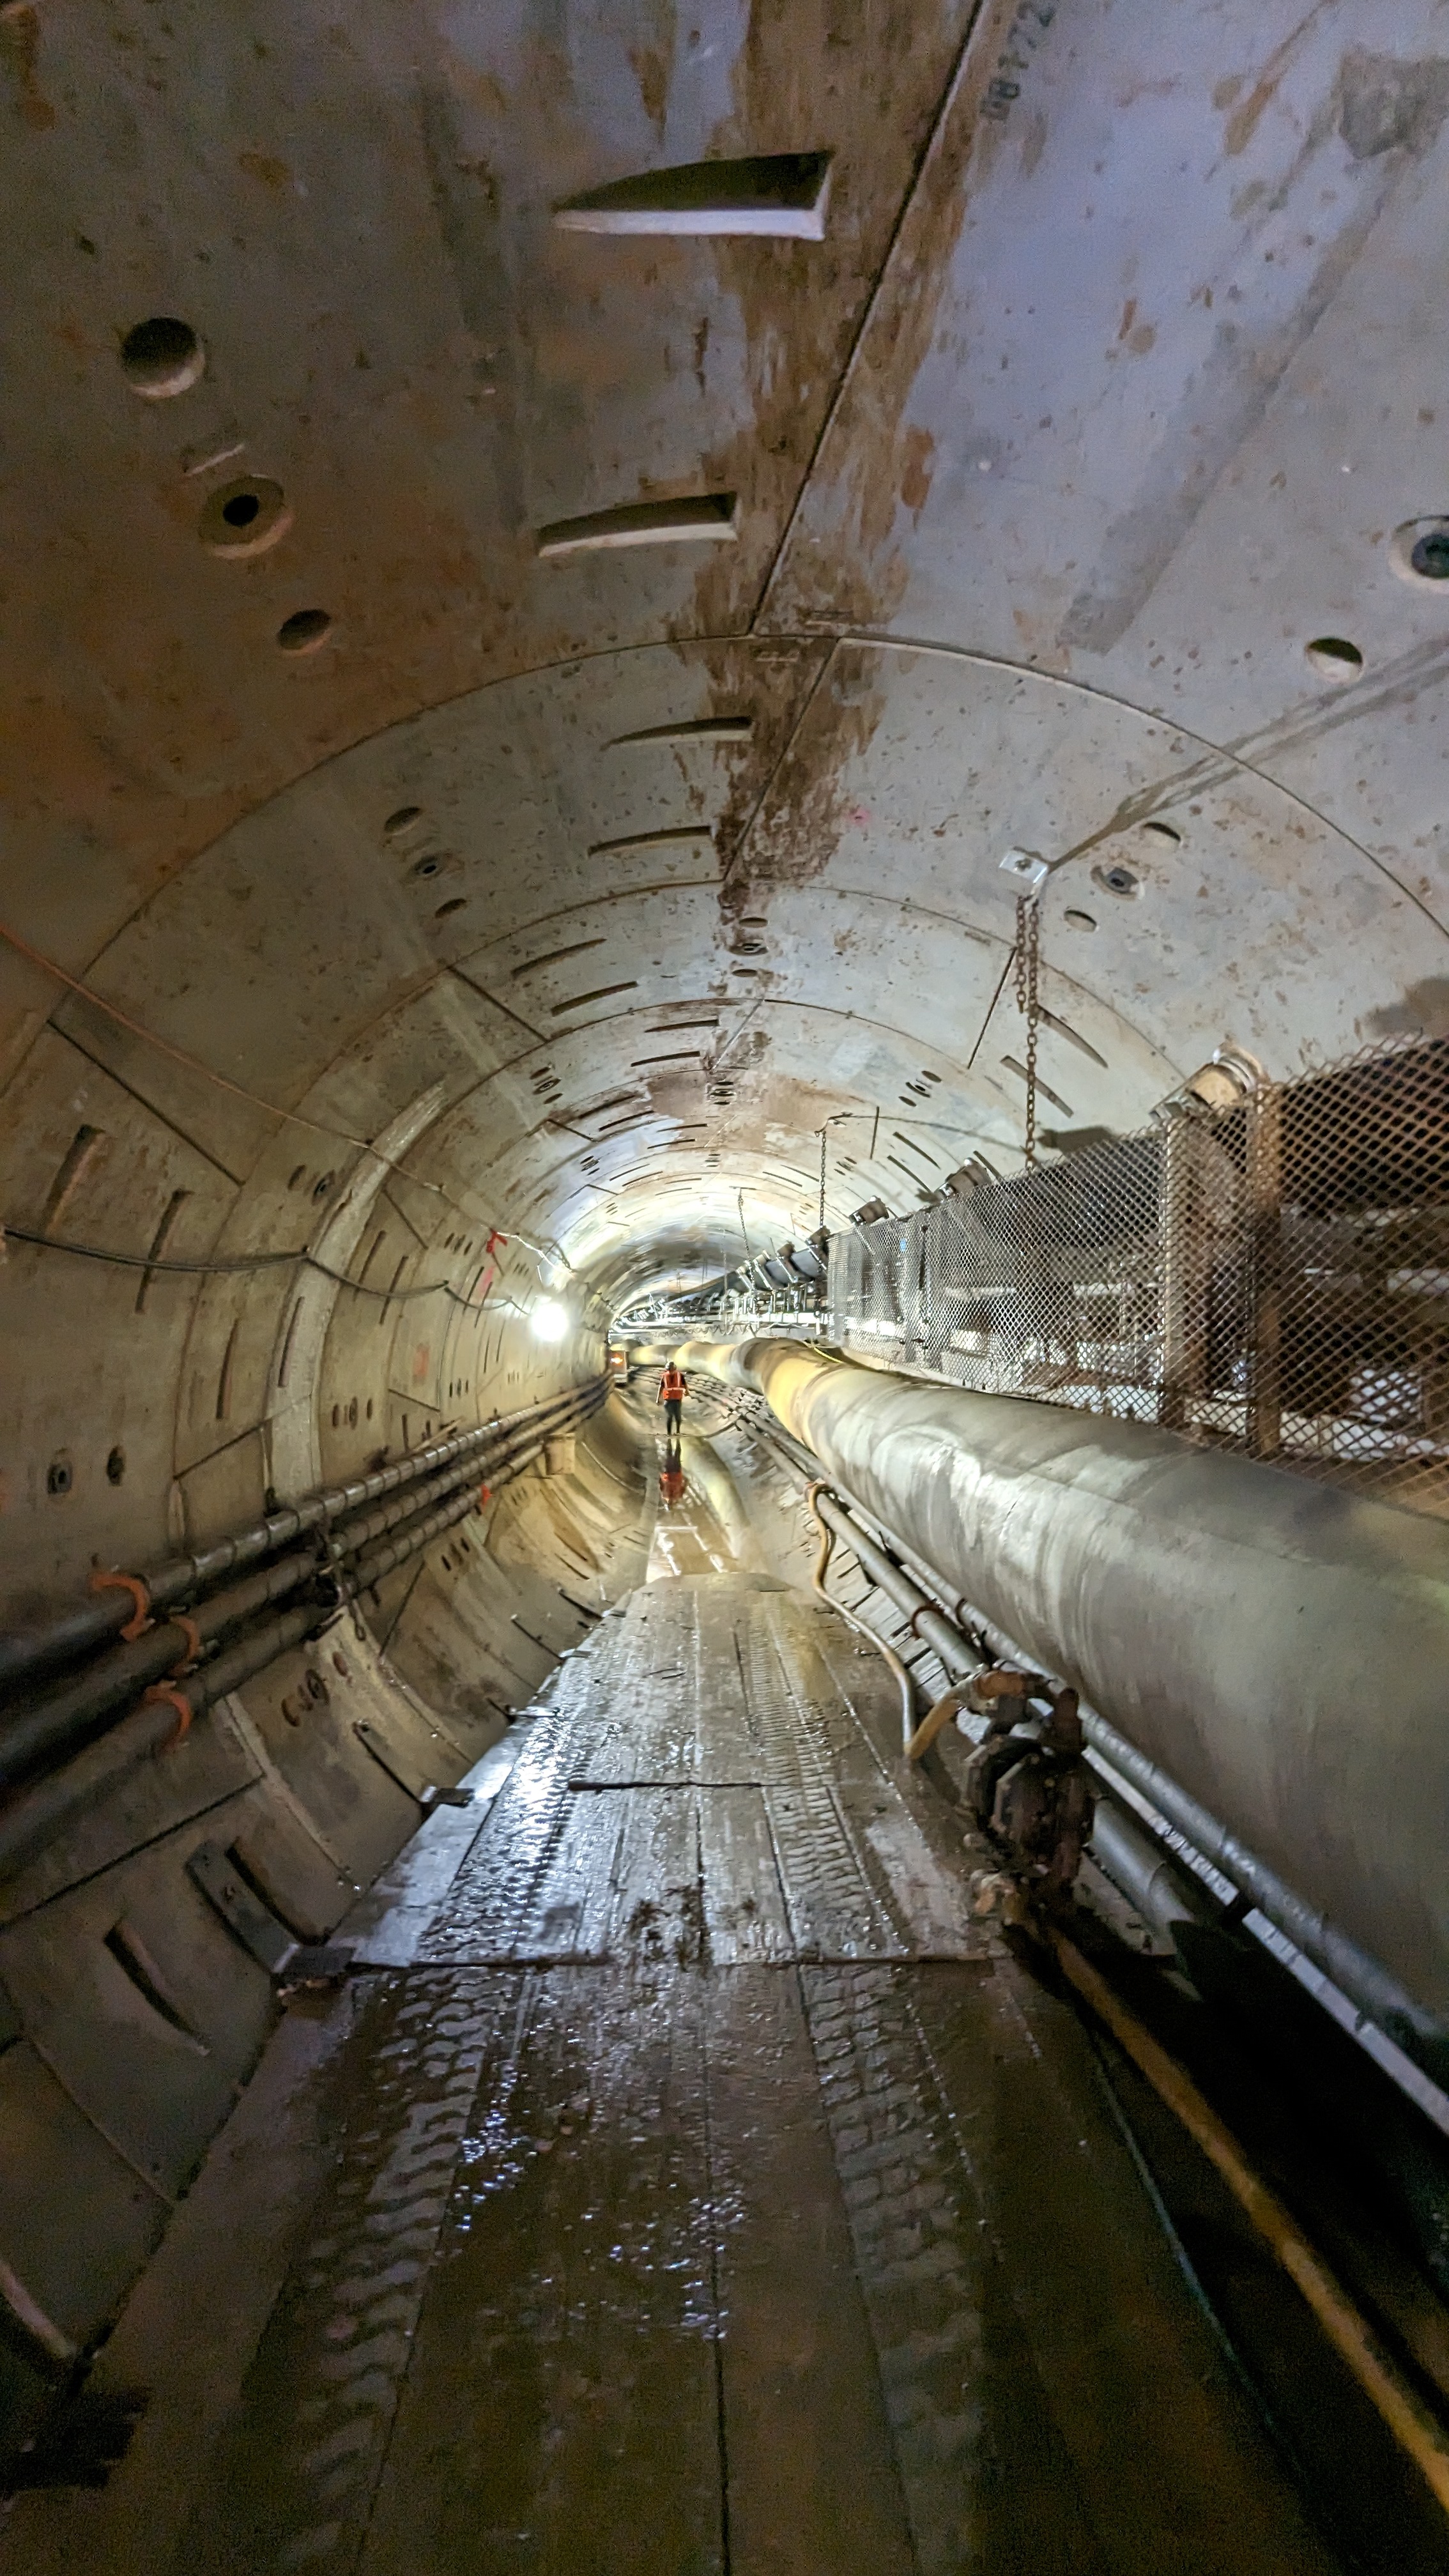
700,2189
702,1525
689,1538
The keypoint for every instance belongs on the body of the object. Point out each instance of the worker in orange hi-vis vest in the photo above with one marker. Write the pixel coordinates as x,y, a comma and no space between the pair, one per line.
672,1392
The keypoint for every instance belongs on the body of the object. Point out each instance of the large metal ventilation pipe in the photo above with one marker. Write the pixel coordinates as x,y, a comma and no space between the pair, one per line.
1279,1647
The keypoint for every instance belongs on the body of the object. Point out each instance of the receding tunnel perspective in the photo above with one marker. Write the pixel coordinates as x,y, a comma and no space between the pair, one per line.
724,1431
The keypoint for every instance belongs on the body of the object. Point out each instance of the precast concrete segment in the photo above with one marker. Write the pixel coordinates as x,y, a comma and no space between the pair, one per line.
1278,1647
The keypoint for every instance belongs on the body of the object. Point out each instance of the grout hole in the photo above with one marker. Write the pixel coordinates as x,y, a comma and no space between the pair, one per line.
1333,658
304,630
1118,880
162,357
245,518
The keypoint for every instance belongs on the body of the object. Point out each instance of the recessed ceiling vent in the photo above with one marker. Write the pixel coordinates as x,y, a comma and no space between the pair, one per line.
552,956
699,729
706,518
780,196
687,836
600,993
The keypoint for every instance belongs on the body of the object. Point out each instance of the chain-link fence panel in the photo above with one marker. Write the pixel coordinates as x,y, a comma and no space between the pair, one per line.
1272,1276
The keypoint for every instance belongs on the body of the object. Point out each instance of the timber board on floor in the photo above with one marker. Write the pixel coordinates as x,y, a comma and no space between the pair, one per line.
710,2194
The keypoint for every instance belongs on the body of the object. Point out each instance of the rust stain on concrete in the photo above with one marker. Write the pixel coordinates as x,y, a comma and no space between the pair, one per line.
273,174
19,53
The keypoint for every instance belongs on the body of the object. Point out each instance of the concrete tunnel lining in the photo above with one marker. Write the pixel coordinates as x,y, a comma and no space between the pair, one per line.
427,917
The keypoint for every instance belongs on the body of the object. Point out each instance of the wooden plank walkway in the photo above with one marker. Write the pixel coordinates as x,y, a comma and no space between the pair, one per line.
712,2195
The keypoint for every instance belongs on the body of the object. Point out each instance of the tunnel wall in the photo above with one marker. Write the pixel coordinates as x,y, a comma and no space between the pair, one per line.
157,1408
131,2009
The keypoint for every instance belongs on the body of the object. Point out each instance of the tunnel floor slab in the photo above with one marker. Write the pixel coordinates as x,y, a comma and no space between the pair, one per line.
704,2191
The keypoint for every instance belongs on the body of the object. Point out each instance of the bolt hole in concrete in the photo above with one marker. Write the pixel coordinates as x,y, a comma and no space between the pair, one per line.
455,903
1166,835
304,630
1419,553
1333,658
245,517
1118,880
401,821
162,357
1076,920
116,1467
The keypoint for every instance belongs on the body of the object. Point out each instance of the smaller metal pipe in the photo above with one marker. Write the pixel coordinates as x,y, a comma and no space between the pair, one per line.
1143,1872
252,1654
47,1736
897,1670
1362,1978
26,1654
66,1716
889,1577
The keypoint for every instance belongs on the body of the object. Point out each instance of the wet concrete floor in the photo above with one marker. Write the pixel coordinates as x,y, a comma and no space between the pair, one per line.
686,2182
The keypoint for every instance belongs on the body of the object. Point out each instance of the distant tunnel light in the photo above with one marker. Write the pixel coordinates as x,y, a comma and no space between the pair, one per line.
781,195
550,1320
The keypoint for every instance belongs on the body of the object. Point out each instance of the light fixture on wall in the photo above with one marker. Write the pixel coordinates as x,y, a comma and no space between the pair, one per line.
549,1319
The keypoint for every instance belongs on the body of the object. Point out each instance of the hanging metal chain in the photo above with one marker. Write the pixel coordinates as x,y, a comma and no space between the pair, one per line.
1028,961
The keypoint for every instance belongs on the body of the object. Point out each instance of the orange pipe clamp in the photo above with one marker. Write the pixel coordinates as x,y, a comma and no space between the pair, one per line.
133,1584
192,1656
176,1699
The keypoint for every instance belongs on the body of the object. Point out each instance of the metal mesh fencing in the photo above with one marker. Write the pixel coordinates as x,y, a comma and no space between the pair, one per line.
1272,1276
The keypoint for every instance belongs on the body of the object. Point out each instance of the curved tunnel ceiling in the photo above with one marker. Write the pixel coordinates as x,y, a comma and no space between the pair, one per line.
1068,495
